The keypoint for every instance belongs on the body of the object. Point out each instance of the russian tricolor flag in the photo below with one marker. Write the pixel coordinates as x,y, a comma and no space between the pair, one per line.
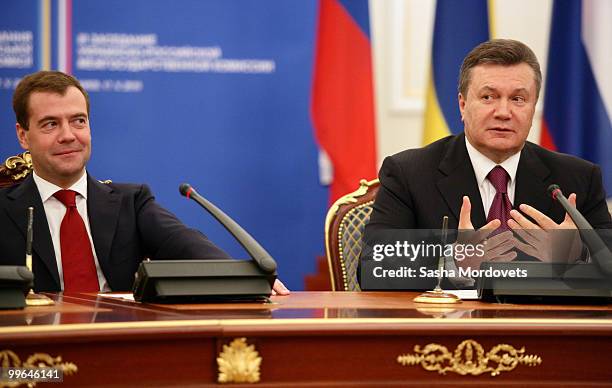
578,98
343,95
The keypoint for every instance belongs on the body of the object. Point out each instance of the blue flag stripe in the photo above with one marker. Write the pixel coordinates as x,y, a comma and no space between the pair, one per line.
452,40
358,9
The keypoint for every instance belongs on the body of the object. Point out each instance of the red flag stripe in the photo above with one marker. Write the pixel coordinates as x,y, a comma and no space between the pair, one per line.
343,98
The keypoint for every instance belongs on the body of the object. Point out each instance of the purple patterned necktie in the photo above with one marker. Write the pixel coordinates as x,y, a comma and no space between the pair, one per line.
501,206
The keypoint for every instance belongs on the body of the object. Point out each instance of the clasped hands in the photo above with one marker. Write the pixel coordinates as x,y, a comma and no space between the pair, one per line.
539,237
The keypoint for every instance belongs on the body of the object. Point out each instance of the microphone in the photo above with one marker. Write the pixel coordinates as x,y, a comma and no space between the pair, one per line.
579,220
599,251
256,251
29,237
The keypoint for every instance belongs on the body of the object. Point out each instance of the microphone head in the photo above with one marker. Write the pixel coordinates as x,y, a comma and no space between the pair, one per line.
553,190
184,188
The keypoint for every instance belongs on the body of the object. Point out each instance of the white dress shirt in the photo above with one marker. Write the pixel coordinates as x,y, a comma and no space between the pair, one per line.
55,211
482,166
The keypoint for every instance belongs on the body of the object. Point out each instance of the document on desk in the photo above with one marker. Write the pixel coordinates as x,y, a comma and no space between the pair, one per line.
128,297
465,294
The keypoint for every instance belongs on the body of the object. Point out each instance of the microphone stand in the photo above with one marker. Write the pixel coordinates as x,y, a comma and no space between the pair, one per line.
437,295
213,280
599,251
256,251
33,299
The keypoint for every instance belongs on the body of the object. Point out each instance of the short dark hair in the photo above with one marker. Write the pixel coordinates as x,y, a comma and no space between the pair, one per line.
42,81
504,52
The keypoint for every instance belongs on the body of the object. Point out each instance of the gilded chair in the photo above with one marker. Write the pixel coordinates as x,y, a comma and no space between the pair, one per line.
344,226
15,169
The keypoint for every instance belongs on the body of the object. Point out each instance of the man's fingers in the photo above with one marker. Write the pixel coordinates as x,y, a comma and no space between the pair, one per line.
542,220
512,224
279,288
568,222
476,236
528,234
572,199
500,238
505,257
492,226
485,231
522,221
465,219
528,249
494,251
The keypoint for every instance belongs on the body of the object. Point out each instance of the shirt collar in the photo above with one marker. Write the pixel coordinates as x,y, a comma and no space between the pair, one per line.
483,165
47,189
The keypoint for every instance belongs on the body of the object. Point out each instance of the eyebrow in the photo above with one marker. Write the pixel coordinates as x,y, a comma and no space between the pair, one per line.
488,88
46,118
50,118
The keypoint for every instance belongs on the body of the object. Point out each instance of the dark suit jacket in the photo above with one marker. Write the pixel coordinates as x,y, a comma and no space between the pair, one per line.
420,186
126,223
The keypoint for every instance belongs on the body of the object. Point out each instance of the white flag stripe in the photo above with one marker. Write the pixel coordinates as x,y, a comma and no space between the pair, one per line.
596,35
61,36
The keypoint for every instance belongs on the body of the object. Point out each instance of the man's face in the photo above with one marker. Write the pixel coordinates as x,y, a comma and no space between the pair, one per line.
58,137
498,109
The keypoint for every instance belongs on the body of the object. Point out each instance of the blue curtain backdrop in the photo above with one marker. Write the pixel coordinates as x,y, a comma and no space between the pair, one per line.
214,93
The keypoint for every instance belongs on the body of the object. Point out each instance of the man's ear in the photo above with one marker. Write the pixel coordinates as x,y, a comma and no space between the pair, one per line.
461,104
21,136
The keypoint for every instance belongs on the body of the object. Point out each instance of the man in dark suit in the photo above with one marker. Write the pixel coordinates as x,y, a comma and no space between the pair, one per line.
499,86
89,236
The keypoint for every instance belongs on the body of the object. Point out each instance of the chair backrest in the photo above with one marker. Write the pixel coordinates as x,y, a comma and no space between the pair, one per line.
15,169
344,225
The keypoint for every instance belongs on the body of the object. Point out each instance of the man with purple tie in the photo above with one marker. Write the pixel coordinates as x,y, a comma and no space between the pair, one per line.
489,179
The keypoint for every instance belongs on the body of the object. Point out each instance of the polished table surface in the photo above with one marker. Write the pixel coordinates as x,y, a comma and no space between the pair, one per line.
315,339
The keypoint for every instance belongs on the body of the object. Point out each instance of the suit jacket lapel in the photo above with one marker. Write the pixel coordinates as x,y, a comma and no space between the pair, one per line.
459,180
103,209
25,195
531,181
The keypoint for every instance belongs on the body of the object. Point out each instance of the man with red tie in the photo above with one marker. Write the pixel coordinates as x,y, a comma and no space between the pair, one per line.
489,178
89,236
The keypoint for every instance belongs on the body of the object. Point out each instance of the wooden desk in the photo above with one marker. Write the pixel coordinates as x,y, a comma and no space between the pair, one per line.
315,339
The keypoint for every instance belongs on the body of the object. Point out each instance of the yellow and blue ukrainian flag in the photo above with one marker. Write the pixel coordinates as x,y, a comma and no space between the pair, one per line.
459,26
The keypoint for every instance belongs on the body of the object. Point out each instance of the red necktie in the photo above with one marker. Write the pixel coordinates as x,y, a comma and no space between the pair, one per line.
501,206
77,258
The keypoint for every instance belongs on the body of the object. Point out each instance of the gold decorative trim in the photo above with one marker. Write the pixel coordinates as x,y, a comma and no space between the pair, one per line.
18,166
106,182
313,322
469,358
9,359
239,363
364,186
